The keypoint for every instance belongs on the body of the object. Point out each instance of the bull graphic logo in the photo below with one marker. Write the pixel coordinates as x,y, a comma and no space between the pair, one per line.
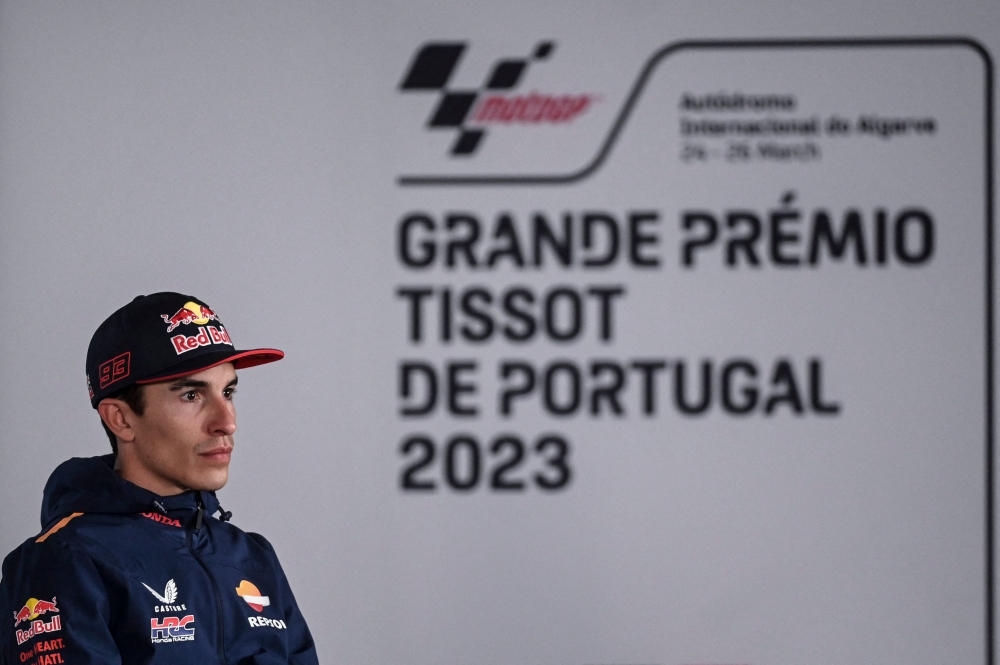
29,614
191,312
33,609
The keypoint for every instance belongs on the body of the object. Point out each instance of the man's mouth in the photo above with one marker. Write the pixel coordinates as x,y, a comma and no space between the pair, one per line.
220,454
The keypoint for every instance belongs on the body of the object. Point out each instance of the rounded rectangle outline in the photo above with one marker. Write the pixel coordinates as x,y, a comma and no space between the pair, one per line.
654,61
835,42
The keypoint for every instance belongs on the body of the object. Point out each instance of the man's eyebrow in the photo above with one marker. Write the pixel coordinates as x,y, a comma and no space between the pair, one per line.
182,383
233,383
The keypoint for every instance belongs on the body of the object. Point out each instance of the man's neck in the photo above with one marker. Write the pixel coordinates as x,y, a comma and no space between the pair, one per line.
135,472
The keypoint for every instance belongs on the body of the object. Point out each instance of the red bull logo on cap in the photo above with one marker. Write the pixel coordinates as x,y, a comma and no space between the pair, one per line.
199,315
30,613
206,335
191,312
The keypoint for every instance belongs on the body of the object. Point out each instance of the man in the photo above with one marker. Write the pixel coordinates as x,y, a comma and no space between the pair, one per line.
131,565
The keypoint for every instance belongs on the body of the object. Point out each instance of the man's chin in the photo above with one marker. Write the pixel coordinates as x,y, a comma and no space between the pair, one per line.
211,482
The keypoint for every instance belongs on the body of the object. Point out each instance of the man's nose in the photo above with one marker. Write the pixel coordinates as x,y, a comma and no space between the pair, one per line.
223,421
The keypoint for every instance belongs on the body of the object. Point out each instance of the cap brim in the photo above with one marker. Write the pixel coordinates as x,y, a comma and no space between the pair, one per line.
240,360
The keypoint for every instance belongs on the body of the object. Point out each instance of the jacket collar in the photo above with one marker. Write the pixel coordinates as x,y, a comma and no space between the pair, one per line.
90,485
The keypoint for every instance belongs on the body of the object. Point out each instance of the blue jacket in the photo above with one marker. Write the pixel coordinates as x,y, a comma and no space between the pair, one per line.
121,575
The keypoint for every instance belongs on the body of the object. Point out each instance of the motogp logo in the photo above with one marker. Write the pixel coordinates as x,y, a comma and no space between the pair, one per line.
470,111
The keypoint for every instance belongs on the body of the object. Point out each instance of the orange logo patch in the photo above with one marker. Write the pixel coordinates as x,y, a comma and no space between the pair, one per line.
250,593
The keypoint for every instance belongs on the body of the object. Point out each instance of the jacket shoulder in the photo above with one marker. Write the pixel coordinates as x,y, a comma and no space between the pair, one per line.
56,543
261,540
245,549
69,539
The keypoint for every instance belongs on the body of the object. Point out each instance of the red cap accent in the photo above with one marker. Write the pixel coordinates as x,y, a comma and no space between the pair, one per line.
240,360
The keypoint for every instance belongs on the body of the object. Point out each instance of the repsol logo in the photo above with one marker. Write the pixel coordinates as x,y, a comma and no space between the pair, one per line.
264,622
467,111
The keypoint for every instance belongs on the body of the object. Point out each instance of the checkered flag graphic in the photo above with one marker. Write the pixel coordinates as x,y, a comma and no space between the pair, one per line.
433,66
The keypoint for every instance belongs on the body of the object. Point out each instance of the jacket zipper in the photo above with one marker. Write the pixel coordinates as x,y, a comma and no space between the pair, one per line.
215,587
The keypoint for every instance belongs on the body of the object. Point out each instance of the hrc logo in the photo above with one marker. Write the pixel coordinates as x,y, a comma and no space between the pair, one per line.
171,629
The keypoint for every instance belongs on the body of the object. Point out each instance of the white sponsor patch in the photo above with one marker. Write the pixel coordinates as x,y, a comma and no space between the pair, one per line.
260,622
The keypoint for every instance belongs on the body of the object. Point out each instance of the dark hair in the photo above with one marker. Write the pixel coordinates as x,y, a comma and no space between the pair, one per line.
134,397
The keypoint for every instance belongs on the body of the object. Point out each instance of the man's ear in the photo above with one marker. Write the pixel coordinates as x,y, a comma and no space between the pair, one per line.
116,414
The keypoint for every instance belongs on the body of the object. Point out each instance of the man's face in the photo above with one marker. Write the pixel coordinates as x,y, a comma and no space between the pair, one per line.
185,435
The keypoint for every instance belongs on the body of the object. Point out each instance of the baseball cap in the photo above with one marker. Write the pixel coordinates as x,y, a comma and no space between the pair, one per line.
158,337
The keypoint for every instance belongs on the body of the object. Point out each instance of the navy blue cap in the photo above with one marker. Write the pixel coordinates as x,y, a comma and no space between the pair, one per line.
158,337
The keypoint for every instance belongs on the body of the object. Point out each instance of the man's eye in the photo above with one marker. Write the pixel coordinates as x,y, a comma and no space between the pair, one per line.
229,392
190,395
